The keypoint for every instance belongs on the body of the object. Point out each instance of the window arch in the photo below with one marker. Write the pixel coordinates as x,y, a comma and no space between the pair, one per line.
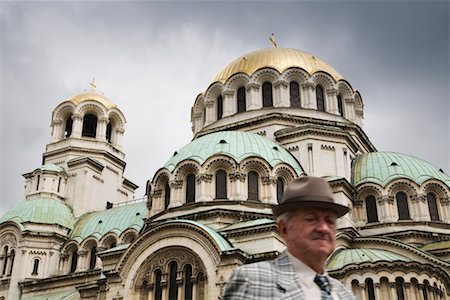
340,105
253,186
402,206
294,92
158,285
280,189
35,267
190,188
89,125
221,184
73,261
188,284
173,287
320,98
166,195
93,258
108,132
399,282
370,289
68,128
219,107
432,207
267,94
241,100
371,209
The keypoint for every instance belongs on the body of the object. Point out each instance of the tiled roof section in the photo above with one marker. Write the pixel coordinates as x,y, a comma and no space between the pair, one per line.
41,210
237,145
115,220
358,256
383,167
67,295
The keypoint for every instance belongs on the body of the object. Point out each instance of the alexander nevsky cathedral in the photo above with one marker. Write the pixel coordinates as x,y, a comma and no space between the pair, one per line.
268,117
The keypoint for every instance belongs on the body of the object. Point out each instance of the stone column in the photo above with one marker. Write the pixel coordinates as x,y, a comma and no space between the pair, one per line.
281,95
269,191
210,113
253,101
392,291
362,286
101,129
197,124
229,103
445,204
82,261
377,290
350,102
203,180
331,101
176,188
57,130
309,95
117,141
77,125
237,180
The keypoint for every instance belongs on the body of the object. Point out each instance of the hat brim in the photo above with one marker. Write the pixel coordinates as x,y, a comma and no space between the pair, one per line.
280,209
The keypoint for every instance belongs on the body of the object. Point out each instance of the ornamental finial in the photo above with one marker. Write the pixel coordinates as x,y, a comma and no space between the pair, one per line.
272,40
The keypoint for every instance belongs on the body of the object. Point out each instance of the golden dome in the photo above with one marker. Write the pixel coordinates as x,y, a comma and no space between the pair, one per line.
92,96
279,59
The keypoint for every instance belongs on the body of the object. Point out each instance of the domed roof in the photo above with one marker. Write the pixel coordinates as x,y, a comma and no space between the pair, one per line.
41,210
237,145
92,96
383,167
279,59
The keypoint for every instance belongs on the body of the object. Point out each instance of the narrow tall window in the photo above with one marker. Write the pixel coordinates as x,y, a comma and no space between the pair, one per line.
108,132
190,188
68,129
371,209
5,259
35,267
294,91
158,286
370,289
38,181
221,184
267,94
166,195
89,125
402,206
173,288
253,188
241,100
399,287
93,258
340,105
219,107
432,207
280,189
320,98
188,282
11,257
74,261
59,185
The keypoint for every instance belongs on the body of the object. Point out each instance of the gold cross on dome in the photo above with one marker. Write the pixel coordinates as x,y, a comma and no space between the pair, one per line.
93,86
272,40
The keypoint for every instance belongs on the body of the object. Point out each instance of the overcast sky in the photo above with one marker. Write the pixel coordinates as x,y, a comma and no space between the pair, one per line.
153,58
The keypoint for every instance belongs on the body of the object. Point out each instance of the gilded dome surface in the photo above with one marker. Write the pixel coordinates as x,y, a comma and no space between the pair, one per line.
279,59
383,167
237,145
92,96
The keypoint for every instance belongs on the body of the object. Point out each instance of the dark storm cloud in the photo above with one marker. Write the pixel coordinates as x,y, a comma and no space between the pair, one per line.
153,58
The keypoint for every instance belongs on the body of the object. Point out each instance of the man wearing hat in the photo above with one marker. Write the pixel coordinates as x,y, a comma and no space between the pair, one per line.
306,219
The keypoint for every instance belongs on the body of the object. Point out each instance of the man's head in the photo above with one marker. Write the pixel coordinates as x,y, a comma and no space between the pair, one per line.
306,219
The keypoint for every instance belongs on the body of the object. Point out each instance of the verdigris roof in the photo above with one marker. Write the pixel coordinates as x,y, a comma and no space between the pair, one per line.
237,145
115,220
358,256
41,210
51,167
68,295
383,167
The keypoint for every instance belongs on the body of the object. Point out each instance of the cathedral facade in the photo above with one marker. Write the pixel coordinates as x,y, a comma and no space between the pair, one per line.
268,117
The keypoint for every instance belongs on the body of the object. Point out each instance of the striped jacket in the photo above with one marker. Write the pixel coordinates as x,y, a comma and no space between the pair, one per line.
276,279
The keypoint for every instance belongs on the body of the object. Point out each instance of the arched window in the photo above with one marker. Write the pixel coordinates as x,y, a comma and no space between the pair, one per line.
371,209
425,289
68,129
219,107
280,189
190,188
370,289
11,257
108,132
173,288
253,186
166,195
59,185
320,98
74,261
5,259
158,286
340,105
188,282
89,125
267,94
38,181
294,91
399,287
402,206
221,184
35,267
241,100
93,258
432,207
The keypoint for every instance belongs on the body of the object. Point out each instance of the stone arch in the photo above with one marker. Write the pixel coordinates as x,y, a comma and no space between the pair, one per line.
265,75
323,79
186,167
91,107
255,164
128,236
236,81
295,74
213,164
214,91
108,241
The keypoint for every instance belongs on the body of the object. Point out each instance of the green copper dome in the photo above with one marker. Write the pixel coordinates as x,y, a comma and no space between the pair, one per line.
51,167
41,210
383,167
237,145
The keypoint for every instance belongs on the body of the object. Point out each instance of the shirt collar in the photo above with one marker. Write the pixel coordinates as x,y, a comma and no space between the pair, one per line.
304,272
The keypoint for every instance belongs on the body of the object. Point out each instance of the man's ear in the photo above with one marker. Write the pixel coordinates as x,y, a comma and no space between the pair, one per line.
282,227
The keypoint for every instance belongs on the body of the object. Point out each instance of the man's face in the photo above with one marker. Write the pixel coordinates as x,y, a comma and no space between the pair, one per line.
310,234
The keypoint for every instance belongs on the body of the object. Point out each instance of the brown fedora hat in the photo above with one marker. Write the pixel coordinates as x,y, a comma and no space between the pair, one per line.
311,192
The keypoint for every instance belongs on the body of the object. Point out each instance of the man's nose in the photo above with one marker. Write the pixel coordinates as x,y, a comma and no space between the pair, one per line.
322,225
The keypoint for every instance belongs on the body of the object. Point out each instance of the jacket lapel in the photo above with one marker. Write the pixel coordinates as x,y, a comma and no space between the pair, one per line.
287,279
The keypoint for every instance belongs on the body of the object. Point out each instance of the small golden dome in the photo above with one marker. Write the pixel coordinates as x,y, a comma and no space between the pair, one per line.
279,59
92,96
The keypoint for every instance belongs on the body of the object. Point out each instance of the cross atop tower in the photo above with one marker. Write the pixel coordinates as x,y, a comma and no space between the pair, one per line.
272,40
93,86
